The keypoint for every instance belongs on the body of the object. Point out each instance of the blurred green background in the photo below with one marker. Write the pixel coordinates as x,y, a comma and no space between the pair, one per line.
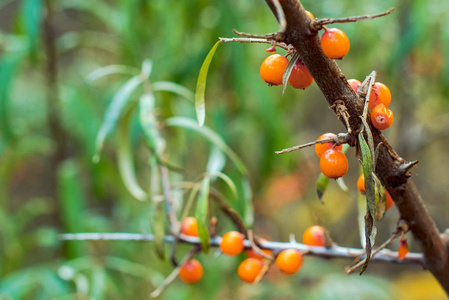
50,114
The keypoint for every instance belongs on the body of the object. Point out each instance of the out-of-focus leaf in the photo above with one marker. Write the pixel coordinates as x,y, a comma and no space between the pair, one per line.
341,183
202,214
209,135
31,16
200,105
193,192
127,267
125,158
216,161
174,88
288,70
98,283
113,112
72,203
248,199
227,180
18,284
8,66
147,67
381,202
148,123
110,70
321,186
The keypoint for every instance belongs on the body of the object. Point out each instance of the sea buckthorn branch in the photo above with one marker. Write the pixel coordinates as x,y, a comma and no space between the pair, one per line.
334,86
335,251
319,23
342,113
256,41
256,248
341,138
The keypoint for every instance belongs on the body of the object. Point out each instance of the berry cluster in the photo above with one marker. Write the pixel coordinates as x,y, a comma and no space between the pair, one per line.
380,97
288,261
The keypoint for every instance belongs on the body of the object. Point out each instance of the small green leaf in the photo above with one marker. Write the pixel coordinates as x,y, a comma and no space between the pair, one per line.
202,214
321,186
157,219
210,135
200,105
113,112
110,70
168,86
288,70
148,124
125,158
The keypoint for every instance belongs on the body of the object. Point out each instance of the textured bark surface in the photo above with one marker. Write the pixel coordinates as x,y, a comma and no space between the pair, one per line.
390,168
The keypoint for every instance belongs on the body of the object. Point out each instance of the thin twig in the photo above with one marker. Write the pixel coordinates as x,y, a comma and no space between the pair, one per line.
319,23
170,278
338,140
256,248
335,251
228,210
268,36
255,41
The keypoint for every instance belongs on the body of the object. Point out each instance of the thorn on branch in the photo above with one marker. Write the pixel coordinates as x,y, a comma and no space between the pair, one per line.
342,113
405,168
341,138
318,24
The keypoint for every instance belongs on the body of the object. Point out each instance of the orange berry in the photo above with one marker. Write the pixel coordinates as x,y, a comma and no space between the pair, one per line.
252,254
361,184
190,226
310,14
314,236
389,200
249,269
289,261
355,84
334,164
321,148
403,248
191,271
381,117
334,43
232,243
272,69
300,77
380,93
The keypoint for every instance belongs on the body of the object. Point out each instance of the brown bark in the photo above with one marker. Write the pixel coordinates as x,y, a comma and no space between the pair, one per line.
390,168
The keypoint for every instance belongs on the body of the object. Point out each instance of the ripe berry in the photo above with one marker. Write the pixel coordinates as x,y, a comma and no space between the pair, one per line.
381,117
380,93
310,14
403,248
232,243
272,69
321,148
300,77
334,43
355,84
191,271
361,184
334,164
190,226
289,261
249,269
314,236
389,200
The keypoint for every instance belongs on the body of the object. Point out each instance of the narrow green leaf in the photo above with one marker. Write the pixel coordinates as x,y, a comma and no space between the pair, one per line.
113,112
381,202
168,86
200,105
361,212
31,16
157,219
321,186
147,67
111,70
148,124
190,200
248,198
368,173
288,70
98,280
202,214
228,182
125,158
211,136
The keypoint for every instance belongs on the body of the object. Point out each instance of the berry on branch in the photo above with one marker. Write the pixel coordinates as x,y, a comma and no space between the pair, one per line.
191,271
249,269
190,226
232,243
334,164
321,148
300,77
314,236
289,261
272,69
334,43
381,117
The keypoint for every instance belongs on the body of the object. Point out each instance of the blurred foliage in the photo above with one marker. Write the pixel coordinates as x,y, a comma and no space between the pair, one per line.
49,121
